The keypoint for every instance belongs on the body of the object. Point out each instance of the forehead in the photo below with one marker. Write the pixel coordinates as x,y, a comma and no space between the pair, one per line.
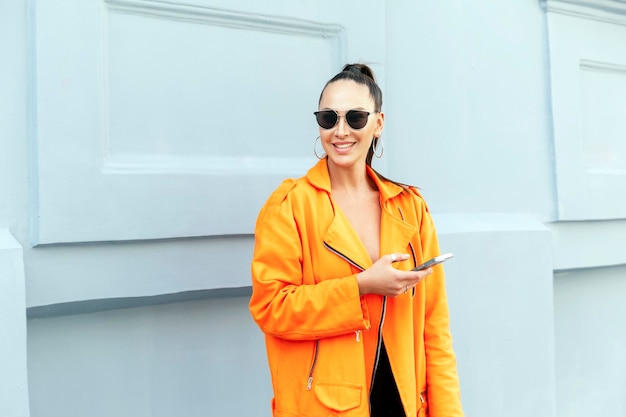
345,95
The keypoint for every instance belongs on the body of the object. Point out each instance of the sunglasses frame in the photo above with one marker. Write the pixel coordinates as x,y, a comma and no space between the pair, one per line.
345,116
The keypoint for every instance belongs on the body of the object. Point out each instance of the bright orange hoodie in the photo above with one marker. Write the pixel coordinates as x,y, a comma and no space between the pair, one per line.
322,338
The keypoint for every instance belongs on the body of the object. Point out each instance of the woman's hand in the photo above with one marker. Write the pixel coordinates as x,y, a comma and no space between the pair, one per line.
383,279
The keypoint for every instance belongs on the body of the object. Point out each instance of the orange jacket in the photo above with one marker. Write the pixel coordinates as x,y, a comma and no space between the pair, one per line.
321,336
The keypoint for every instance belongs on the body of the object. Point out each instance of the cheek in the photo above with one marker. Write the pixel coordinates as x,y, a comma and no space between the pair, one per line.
367,136
372,131
325,135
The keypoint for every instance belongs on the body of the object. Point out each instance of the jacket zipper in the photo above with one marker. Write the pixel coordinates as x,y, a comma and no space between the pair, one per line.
411,247
344,257
423,404
410,244
354,264
310,379
378,344
414,264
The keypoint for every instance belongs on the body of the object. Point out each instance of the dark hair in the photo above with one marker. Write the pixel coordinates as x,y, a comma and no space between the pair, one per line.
362,74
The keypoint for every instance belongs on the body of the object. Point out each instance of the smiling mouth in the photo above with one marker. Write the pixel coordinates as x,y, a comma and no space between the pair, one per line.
343,145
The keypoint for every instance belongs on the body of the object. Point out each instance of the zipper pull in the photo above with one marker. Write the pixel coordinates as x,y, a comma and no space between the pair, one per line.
308,385
358,335
422,398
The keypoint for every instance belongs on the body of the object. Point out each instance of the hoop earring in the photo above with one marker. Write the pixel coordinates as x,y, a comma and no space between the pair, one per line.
382,148
315,149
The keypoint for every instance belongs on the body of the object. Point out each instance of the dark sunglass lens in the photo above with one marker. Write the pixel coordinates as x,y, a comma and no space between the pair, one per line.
326,119
357,119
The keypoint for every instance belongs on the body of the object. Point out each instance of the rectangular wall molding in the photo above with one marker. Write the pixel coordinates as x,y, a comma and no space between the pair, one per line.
228,18
588,87
608,11
204,161
197,111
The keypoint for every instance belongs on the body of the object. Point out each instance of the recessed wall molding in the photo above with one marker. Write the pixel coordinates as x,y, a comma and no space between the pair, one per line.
176,120
588,65
149,163
159,165
227,18
611,11
588,93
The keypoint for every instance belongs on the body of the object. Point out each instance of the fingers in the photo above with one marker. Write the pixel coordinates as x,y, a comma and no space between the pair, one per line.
398,257
408,286
384,279
424,274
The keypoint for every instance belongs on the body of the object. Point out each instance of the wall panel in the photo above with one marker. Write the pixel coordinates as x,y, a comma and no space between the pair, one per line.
13,361
160,120
588,77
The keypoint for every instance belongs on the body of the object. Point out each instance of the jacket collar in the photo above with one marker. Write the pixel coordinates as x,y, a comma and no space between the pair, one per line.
341,238
319,177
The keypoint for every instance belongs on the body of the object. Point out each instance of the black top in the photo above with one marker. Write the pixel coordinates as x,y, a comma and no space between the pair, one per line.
384,397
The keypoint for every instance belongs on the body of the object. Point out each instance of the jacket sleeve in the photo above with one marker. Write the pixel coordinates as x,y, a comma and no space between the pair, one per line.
441,370
281,303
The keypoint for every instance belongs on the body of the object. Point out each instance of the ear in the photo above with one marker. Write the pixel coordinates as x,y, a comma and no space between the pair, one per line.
380,124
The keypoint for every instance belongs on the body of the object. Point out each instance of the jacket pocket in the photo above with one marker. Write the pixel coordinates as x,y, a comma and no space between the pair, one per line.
338,396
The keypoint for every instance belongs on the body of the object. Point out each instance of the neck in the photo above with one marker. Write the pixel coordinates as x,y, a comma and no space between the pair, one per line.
352,179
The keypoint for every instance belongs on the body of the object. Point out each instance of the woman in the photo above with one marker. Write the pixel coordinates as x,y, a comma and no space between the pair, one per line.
350,330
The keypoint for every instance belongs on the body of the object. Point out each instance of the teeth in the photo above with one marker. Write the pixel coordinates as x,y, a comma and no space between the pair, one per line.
347,145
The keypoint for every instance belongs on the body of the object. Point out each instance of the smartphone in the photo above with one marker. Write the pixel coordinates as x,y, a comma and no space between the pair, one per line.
432,262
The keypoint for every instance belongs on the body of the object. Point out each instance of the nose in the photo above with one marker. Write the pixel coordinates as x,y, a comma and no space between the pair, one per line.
342,127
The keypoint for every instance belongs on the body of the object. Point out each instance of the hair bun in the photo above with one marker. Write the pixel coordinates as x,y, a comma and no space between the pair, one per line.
360,69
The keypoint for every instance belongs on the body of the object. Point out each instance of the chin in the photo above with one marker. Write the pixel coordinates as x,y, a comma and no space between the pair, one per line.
345,161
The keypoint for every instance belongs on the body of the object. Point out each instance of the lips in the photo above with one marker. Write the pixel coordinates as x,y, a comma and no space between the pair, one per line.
344,145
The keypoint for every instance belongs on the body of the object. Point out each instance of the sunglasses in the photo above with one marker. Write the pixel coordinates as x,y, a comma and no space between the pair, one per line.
356,119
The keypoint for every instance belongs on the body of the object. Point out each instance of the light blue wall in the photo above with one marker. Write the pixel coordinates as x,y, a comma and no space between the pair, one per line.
14,165
13,378
195,358
501,310
589,336
128,321
466,127
14,219
468,109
